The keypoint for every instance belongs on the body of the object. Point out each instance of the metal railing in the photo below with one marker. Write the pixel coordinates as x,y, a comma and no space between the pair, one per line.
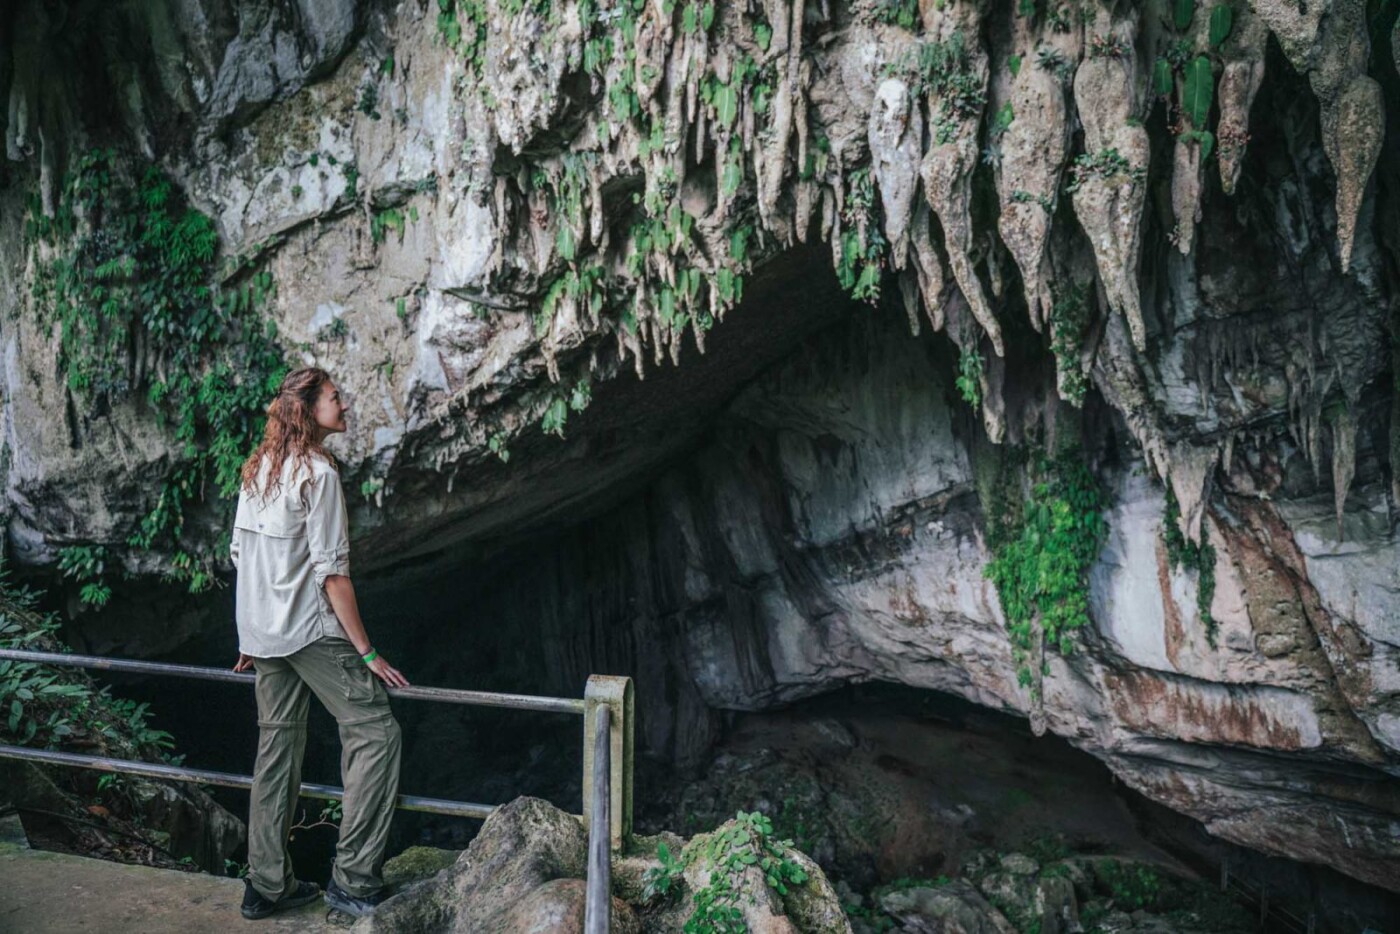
607,704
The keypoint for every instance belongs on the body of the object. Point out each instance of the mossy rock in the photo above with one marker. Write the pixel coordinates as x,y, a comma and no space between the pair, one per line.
417,863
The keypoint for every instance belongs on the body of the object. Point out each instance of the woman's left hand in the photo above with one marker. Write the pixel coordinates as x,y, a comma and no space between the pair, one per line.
387,673
244,663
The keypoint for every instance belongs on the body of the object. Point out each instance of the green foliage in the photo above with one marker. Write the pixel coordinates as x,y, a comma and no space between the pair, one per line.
386,220
1069,316
1222,18
658,882
1199,93
1005,116
945,70
1199,558
862,245
461,25
1204,138
1013,64
49,707
726,854
1107,45
1163,77
1182,13
1133,886
1049,58
368,103
903,13
1106,164
125,271
1041,558
969,381
86,564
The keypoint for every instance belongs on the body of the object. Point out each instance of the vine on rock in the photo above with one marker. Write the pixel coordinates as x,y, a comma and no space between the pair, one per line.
1041,558
126,272
726,855
1199,558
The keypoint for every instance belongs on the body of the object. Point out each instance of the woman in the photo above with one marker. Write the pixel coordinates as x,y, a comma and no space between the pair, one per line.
300,629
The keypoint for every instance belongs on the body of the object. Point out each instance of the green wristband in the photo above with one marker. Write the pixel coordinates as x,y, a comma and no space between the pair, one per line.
370,656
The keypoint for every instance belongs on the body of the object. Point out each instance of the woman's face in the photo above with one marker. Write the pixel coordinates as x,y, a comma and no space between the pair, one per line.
330,410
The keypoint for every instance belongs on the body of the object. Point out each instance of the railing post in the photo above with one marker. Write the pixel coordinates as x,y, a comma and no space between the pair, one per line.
615,691
597,918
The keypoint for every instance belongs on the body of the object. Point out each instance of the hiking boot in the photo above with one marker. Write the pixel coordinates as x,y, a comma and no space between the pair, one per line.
255,906
356,905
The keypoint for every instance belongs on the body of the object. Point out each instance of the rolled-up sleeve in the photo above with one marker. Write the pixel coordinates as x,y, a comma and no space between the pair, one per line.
327,528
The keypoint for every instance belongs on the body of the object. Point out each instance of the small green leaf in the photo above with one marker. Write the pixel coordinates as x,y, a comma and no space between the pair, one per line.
1200,92
1183,12
1162,79
726,104
1222,17
1014,64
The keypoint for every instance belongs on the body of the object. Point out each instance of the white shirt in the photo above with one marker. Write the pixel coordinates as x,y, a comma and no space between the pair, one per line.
284,547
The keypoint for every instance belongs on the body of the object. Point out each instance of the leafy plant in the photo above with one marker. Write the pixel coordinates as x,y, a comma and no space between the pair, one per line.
727,854
969,381
1199,558
1041,558
49,707
369,100
85,564
658,882
1069,316
386,220
1204,138
1049,58
1106,164
862,245
1133,887
903,13
128,279
1107,45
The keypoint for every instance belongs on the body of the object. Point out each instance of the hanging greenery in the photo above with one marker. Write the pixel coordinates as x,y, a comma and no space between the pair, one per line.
126,273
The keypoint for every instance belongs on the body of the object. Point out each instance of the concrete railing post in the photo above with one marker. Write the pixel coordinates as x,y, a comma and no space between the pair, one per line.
616,692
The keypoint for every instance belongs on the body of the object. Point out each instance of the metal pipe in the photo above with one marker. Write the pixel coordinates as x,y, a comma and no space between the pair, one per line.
441,695
229,780
598,905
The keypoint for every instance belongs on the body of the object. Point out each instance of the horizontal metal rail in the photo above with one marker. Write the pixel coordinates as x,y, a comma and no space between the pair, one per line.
568,705
611,691
230,780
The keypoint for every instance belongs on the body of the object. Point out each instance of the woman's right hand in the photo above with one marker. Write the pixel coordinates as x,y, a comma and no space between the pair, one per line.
388,673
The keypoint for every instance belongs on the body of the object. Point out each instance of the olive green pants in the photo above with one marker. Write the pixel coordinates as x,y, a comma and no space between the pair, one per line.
369,764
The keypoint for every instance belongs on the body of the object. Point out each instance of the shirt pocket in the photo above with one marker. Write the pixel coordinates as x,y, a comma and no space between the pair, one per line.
361,686
281,516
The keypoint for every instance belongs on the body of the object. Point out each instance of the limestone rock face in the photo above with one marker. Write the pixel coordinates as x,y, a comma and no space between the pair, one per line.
486,225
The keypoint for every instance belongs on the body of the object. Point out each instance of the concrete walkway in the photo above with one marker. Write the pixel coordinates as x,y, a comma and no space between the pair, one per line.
42,892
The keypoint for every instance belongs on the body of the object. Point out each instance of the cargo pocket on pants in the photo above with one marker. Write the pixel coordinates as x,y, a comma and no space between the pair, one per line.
360,684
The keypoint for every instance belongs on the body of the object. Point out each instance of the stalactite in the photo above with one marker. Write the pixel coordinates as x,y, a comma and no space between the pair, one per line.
947,167
1343,461
1033,147
1110,197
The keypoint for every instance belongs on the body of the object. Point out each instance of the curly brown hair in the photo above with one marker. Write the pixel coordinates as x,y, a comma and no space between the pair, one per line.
290,431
